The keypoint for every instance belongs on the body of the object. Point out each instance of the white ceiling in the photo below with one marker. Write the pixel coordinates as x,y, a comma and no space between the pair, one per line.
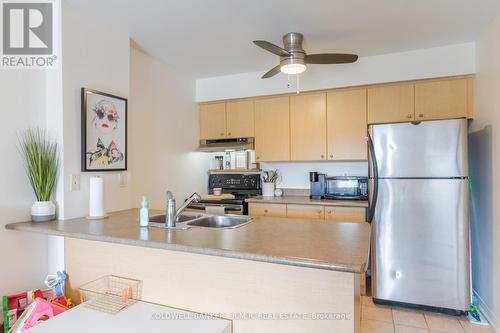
205,38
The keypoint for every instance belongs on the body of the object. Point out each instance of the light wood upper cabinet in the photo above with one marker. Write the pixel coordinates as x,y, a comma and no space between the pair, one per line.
240,119
272,129
471,82
308,127
391,103
332,125
213,121
305,212
346,124
442,99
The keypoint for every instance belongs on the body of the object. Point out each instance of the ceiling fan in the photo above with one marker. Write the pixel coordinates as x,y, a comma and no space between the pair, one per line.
293,58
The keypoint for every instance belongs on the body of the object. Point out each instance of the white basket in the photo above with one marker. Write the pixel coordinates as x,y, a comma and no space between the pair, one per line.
110,293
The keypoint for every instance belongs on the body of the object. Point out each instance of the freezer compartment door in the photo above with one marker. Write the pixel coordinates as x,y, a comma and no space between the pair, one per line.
425,149
420,247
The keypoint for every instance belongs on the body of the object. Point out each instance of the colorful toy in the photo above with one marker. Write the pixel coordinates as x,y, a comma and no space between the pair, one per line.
38,309
37,293
473,314
69,303
61,300
13,306
56,282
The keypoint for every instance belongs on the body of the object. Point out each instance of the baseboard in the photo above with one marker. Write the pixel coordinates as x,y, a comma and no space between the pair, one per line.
488,314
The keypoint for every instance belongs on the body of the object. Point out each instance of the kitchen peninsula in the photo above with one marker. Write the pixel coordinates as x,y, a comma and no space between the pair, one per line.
271,275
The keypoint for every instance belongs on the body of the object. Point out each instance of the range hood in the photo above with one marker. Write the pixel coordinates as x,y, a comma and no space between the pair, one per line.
226,144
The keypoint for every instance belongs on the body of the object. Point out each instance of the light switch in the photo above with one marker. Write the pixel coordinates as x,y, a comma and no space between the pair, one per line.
122,179
74,182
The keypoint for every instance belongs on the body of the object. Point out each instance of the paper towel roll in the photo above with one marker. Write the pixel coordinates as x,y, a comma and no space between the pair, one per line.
96,198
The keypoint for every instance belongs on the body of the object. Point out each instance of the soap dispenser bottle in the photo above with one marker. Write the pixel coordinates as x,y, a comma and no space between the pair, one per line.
144,212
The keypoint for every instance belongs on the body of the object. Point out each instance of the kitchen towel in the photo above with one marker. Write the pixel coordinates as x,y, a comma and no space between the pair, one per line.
96,198
214,210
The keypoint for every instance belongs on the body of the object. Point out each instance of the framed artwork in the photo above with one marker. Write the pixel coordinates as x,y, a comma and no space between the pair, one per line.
104,131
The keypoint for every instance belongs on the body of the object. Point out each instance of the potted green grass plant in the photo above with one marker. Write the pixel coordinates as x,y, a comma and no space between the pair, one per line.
41,161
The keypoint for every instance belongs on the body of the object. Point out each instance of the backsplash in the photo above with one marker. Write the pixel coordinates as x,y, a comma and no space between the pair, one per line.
296,174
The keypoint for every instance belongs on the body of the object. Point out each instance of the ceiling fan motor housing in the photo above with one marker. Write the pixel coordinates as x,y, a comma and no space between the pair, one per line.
292,42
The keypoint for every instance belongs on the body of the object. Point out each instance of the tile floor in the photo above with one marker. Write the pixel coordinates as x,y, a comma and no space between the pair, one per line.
386,319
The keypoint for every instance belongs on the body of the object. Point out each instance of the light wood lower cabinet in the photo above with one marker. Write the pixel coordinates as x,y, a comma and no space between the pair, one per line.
311,212
345,214
305,212
270,210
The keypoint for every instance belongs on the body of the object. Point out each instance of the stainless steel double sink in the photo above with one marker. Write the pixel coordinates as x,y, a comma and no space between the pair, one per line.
188,220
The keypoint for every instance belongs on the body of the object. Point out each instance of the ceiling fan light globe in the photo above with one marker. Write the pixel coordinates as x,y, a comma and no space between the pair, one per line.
293,68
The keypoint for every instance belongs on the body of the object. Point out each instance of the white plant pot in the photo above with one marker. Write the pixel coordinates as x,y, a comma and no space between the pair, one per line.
43,211
268,189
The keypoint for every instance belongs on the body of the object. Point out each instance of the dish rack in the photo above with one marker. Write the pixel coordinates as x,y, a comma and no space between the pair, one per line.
110,293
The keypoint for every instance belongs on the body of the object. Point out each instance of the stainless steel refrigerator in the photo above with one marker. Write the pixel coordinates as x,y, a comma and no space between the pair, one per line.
420,214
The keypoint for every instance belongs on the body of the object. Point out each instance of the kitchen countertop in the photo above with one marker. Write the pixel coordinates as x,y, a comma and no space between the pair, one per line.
305,200
340,246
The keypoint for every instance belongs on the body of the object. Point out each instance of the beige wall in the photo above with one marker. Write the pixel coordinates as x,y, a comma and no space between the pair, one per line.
484,165
24,256
163,133
94,56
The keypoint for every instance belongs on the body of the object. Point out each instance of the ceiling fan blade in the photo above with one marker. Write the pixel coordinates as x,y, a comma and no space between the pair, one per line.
330,58
272,72
272,48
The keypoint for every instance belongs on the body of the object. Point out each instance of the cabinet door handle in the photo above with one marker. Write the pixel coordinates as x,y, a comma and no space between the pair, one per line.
322,156
319,212
229,133
222,134
331,155
258,157
410,116
421,115
265,211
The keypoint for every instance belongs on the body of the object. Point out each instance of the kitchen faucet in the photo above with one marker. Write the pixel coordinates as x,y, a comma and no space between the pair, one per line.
171,214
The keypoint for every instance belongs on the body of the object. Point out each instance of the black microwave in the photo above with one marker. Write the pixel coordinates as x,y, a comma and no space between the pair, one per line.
346,187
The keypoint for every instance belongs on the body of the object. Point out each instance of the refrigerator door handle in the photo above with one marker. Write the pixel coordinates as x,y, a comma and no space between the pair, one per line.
373,159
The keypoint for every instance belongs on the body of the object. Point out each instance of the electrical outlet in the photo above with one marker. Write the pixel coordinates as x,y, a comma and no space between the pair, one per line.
74,182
